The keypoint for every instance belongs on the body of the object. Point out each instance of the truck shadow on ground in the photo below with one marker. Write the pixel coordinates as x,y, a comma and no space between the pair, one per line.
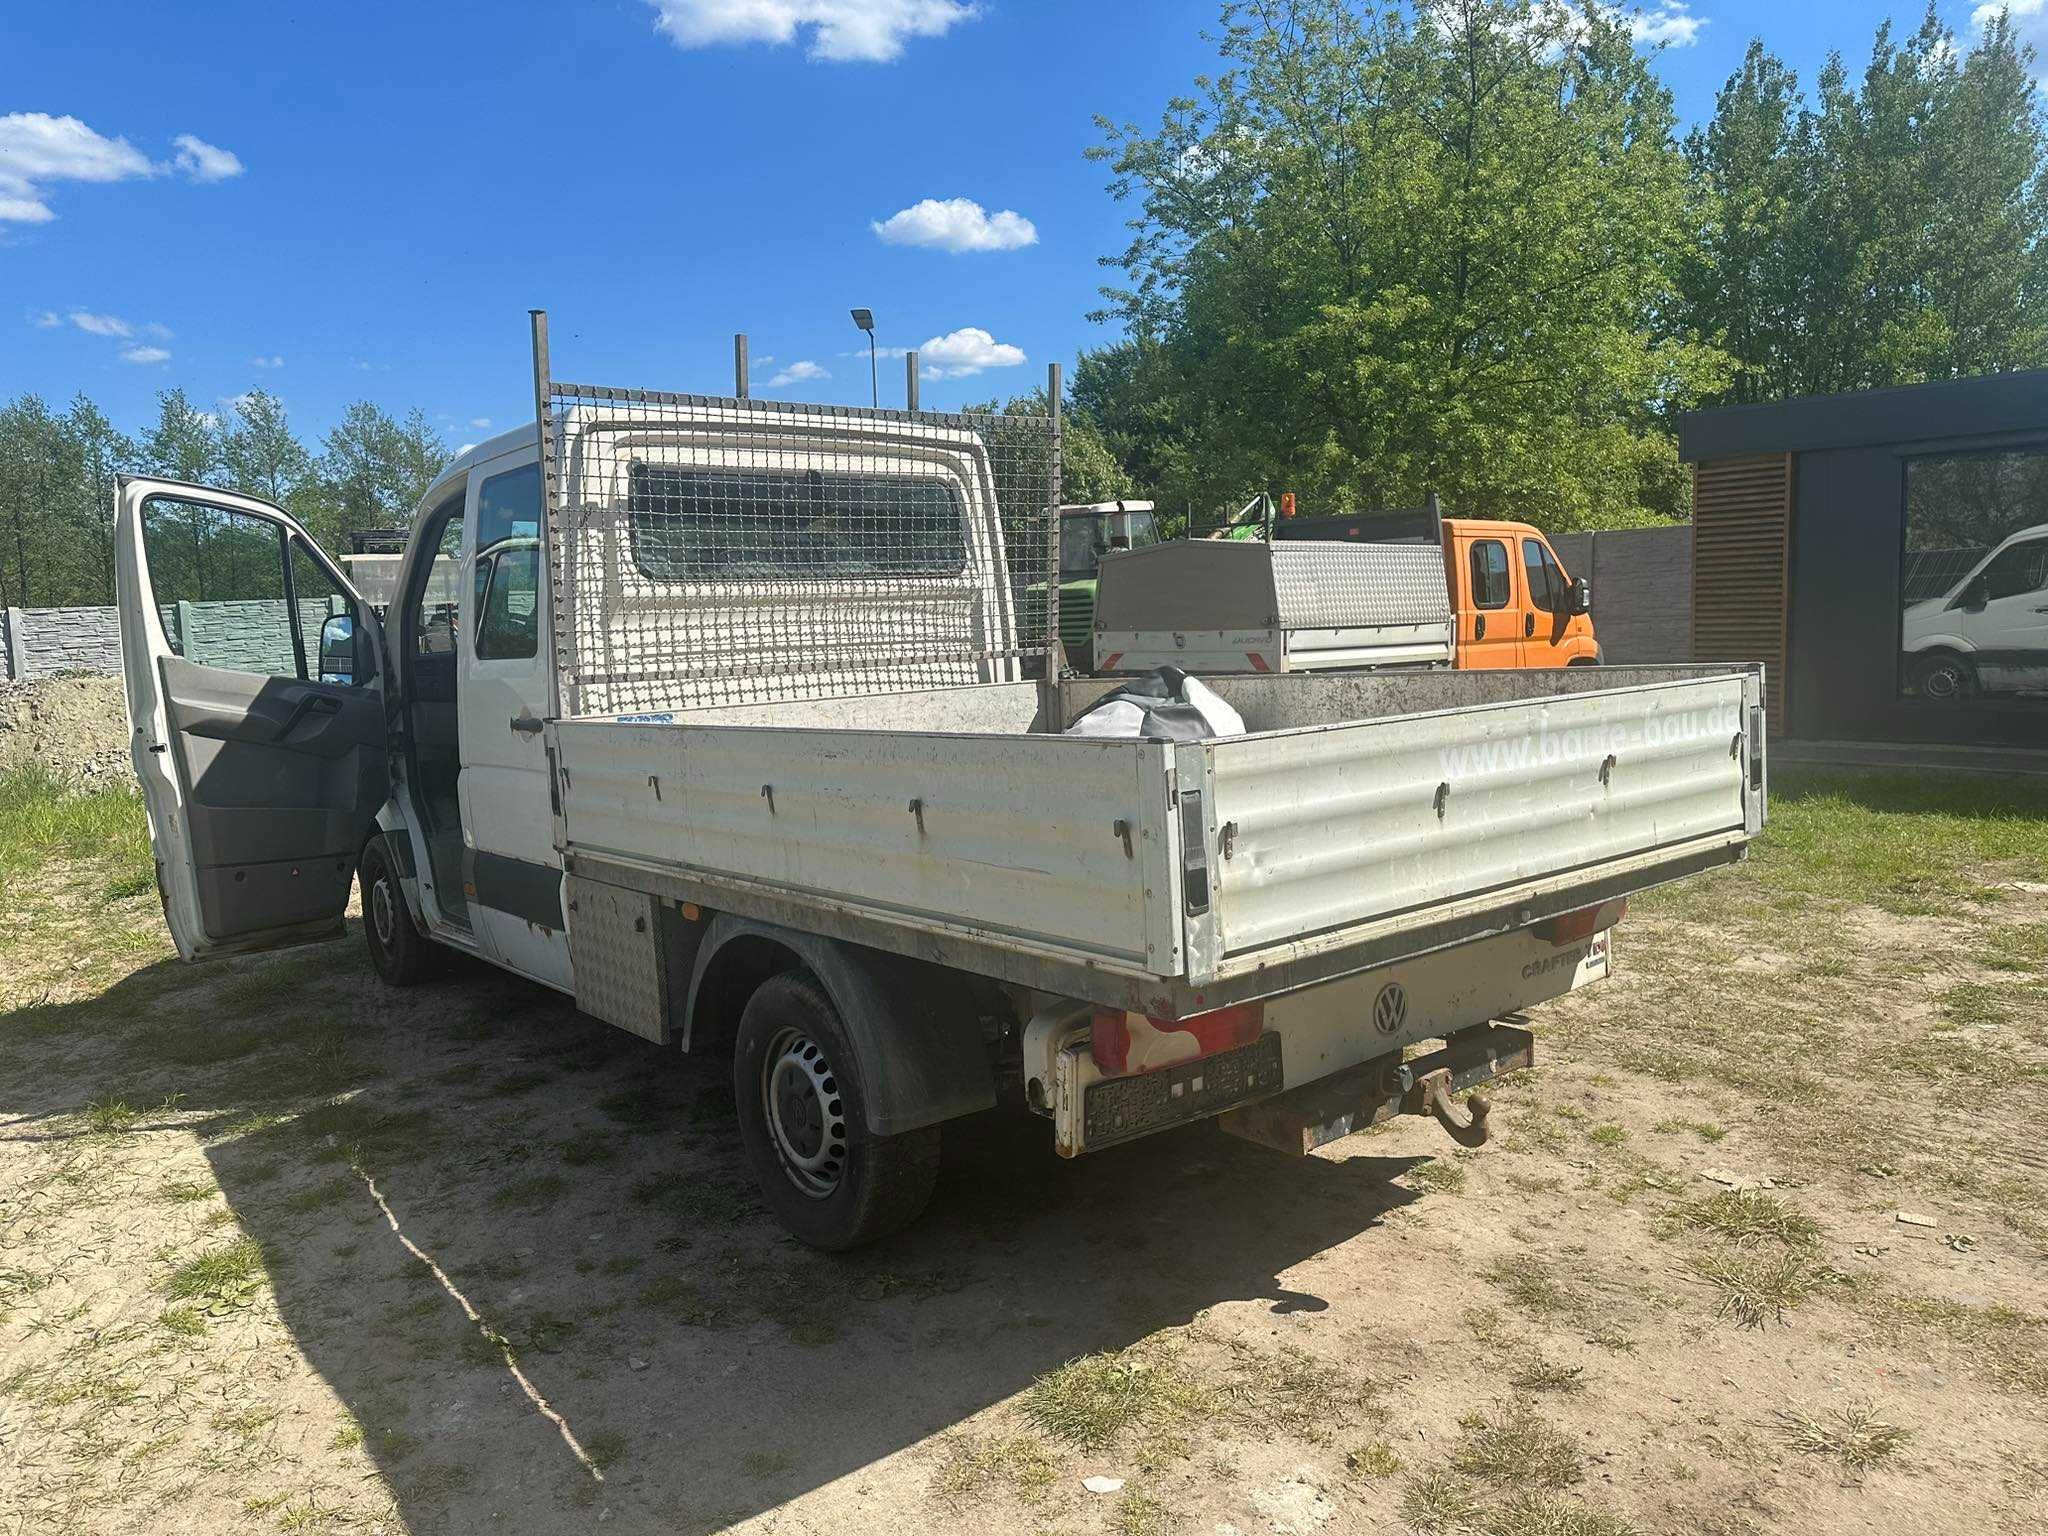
473,1201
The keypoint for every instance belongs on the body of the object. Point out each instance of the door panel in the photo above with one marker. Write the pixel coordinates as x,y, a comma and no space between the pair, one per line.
1491,621
261,779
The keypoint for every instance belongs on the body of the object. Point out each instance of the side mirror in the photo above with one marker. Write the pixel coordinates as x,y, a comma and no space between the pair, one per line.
1582,595
338,650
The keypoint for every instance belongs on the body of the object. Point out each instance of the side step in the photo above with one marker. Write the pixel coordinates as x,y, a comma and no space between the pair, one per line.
1302,1119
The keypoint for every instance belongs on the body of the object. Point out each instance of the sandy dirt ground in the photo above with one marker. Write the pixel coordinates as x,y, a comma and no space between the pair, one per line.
283,1250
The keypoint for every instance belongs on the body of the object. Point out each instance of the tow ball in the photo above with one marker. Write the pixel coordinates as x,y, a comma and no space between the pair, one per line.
1431,1093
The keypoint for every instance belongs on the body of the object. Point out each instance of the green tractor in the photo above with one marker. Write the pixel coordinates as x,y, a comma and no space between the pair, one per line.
1086,535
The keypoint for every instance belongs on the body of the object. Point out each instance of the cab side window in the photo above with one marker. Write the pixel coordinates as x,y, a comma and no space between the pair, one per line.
1490,586
434,616
507,578
233,593
1546,579
2018,568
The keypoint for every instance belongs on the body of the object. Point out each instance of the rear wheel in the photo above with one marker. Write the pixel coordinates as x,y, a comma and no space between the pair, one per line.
402,955
803,1120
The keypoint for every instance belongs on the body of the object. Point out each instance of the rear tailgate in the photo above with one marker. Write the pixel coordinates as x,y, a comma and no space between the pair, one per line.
1316,835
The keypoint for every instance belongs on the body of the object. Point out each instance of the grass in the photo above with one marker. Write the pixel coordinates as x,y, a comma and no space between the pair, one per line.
606,1449
225,1277
1137,1513
971,1467
1755,1288
1854,1436
1515,1448
1906,842
1745,1216
42,818
1091,1402
1373,1461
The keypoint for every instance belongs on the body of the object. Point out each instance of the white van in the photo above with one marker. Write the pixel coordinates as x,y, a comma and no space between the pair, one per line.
1989,632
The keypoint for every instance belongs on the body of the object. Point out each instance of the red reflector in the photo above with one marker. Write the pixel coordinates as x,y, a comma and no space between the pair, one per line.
1570,927
1131,1042
1258,662
1109,662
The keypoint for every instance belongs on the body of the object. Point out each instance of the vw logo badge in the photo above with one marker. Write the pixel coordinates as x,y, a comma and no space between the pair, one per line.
1390,1008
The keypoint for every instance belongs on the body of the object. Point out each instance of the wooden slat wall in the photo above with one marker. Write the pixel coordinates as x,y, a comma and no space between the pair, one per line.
1741,547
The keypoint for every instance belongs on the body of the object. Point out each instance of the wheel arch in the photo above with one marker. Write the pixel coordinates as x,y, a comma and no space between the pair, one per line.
915,1026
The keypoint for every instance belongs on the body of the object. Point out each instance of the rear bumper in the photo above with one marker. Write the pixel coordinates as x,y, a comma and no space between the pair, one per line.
1330,1054
1305,1118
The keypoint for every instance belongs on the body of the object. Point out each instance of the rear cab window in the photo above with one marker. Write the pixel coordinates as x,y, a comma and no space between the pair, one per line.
708,524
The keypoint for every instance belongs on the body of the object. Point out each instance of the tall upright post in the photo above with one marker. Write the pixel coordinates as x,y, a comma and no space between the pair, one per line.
1052,711
739,364
910,380
551,540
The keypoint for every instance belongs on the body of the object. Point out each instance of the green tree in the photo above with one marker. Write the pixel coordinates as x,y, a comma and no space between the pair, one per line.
1741,287
1888,234
1389,253
374,469
259,452
185,442
102,452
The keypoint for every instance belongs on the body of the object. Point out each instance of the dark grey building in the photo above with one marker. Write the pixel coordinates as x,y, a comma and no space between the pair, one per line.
1885,554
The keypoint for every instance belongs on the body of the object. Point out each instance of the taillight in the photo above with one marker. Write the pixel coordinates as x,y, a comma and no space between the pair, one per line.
1570,927
1132,1042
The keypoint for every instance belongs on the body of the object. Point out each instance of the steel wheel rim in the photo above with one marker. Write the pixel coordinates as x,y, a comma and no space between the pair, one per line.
805,1112
383,910
1944,682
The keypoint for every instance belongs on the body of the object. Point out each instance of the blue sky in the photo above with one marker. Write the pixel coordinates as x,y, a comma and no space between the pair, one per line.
362,200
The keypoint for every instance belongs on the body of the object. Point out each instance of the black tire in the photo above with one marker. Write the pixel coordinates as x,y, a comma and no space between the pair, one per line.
401,954
803,1121
1944,677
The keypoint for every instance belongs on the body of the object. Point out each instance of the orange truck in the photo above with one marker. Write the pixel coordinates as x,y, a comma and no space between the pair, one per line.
1513,602
1294,594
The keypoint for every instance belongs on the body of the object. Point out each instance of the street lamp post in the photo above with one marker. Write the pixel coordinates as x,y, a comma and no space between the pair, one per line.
865,319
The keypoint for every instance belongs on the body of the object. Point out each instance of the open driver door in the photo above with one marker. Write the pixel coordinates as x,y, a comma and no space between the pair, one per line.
255,711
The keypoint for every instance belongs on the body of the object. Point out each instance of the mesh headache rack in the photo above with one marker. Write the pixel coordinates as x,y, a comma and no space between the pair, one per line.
719,550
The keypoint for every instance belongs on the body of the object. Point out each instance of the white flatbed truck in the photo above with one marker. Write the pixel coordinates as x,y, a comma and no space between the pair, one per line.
726,735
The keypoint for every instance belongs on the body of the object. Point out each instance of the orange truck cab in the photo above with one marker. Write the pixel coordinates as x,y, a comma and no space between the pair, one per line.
1514,603
1516,606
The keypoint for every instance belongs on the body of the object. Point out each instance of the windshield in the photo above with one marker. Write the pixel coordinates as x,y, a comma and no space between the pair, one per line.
1086,538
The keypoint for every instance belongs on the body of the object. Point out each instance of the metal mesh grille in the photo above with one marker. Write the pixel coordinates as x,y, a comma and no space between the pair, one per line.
705,550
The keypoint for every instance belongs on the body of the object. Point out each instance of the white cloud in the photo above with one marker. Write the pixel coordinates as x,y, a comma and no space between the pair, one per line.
203,161
2029,24
1669,22
145,355
464,448
44,319
802,371
481,423
966,351
956,224
101,325
38,151
1660,24
272,361
865,31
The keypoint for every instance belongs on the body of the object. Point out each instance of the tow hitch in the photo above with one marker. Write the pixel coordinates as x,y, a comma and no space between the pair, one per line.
1305,1118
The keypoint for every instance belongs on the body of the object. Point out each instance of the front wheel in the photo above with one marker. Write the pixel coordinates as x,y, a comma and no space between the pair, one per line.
1944,676
401,954
803,1120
